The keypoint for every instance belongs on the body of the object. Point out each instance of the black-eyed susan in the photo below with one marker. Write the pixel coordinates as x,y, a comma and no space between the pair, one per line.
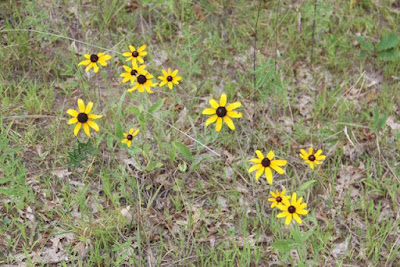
92,60
264,165
169,78
292,210
219,112
143,82
278,198
135,55
129,136
83,117
312,158
131,73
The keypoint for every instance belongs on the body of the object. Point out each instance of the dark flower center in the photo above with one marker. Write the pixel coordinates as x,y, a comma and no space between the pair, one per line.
133,72
83,117
311,158
135,54
278,199
266,162
221,112
129,137
94,58
141,79
169,78
291,209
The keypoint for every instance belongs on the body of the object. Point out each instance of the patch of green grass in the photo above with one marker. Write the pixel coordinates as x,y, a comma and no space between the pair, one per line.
186,205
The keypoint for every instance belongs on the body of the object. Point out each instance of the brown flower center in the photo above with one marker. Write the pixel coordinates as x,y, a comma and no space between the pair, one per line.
278,199
135,54
83,117
221,112
266,162
94,58
129,137
169,78
311,158
133,72
291,209
141,79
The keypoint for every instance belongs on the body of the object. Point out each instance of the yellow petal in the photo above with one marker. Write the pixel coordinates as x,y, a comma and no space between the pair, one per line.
124,141
130,131
270,155
94,117
129,143
89,107
84,62
259,172
170,85
255,167
95,68
222,100
322,157
255,160
233,106
164,73
273,194
310,151
229,122
163,83
294,199
174,73
218,125
93,125
105,57
297,218
288,219
234,114
311,165
214,103
73,121
279,162
91,65
268,175
136,132
301,211
143,47
81,105
86,129
132,48
72,112
282,214
140,59
259,154
212,119
87,56
125,134
209,111
319,152
303,152
77,128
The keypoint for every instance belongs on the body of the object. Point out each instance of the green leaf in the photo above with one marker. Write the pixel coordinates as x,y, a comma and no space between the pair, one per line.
135,110
389,55
184,150
283,245
388,41
156,106
364,44
306,185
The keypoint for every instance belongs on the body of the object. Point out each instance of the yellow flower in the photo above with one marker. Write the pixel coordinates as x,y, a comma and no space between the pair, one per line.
264,165
311,158
92,60
219,112
292,210
83,117
277,198
143,81
135,55
169,78
129,136
131,73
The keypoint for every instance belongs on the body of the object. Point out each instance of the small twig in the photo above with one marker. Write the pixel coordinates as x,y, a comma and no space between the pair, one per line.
313,31
276,35
255,45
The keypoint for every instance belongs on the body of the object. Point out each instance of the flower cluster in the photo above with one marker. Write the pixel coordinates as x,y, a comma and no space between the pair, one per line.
219,113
